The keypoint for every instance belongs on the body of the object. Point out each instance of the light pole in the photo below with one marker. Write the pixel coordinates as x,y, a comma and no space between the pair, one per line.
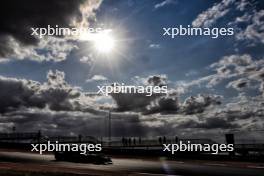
109,127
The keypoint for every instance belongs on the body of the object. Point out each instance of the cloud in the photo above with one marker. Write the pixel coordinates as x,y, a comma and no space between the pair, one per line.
53,122
234,60
16,41
87,60
243,4
254,27
247,19
210,123
165,105
154,80
72,123
55,94
241,108
15,93
240,72
239,84
191,73
238,115
228,67
154,46
242,67
157,80
198,104
57,108
209,113
261,88
211,15
242,113
97,78
139,101
164,3
132,102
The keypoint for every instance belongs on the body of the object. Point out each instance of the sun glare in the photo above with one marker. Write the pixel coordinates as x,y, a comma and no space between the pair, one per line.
104,42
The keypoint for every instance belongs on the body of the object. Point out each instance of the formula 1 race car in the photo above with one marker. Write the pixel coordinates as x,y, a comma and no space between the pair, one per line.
73,156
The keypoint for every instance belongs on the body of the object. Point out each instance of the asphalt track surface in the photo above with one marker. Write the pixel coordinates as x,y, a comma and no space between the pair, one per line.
128,166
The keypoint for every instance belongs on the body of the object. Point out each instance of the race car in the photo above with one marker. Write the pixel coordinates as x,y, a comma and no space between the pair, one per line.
74,156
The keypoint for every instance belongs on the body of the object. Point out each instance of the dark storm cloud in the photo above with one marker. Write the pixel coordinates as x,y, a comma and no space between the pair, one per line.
55,107
55,94
163,103
139,101
15,93
64,113
18,17
132,102
166,105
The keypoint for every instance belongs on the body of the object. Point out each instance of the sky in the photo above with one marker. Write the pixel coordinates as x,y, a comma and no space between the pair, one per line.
216,86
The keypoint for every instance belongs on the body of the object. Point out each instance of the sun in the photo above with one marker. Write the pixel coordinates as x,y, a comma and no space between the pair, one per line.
104,42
